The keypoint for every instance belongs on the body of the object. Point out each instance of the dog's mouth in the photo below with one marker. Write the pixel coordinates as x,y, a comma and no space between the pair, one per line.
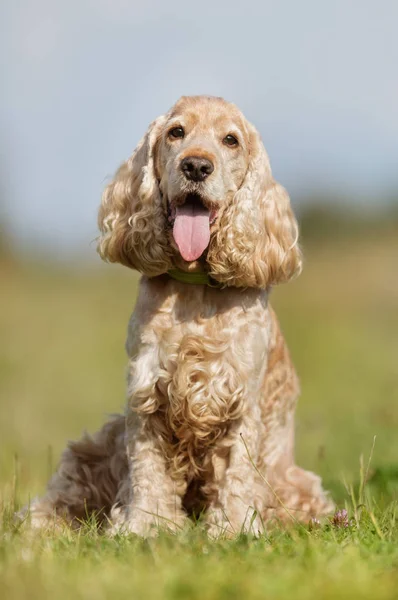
191,226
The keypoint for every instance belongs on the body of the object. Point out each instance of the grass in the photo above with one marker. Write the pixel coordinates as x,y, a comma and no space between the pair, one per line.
330,563
62,370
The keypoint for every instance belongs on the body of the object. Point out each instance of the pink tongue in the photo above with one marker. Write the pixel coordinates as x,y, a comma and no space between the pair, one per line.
191,230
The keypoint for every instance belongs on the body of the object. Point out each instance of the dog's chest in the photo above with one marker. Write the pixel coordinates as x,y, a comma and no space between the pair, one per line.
198,361
208,374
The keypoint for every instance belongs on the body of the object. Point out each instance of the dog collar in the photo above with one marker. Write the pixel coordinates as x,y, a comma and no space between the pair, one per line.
200,278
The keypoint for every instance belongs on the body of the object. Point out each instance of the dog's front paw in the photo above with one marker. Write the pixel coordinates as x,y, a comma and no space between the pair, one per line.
232,522
140,522
124,521
141,526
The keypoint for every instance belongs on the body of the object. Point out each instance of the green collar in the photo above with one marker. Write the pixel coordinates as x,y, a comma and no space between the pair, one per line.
200,278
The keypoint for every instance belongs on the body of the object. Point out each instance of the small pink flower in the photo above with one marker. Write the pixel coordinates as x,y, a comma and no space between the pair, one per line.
340,518
314,524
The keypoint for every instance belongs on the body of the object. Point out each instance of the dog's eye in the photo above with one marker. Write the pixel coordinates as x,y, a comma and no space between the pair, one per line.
176,132
230,140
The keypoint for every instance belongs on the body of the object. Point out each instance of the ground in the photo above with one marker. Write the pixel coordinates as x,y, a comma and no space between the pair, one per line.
62,368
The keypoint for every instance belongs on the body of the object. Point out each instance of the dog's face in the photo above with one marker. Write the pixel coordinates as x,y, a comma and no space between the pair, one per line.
198,194
201,161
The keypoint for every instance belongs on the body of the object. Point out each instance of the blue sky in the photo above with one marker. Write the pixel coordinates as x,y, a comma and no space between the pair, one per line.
81,80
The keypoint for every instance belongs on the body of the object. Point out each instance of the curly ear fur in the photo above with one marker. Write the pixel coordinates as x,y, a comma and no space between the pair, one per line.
256,243
131,218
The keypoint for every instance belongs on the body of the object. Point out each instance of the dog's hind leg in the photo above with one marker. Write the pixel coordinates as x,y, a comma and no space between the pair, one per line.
291,493
86,481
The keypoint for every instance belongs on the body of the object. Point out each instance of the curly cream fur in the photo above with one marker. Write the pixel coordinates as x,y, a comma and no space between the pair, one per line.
211,387
131,218
256,241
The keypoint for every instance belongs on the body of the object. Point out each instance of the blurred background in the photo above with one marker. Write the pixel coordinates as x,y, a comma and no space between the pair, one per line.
81,80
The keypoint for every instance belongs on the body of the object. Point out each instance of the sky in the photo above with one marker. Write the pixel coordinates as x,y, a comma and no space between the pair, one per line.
82,79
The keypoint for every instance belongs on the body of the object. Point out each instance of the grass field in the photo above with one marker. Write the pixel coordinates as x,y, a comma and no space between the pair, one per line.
62,368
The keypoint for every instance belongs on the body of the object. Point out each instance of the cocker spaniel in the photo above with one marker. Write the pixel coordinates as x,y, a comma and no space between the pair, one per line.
209,424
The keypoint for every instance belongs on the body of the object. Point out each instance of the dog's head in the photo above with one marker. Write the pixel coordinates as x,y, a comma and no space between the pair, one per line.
198,194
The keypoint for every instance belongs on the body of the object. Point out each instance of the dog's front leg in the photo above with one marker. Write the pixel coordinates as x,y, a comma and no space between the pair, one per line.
237,506
155,497
150,498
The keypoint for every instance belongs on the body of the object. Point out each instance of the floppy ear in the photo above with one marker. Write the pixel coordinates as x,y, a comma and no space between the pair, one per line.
256,243
131,217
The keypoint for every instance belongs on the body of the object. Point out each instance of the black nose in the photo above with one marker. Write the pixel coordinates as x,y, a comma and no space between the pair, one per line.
196,168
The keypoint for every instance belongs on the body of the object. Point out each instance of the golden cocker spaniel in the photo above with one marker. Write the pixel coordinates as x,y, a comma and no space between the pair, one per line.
209,423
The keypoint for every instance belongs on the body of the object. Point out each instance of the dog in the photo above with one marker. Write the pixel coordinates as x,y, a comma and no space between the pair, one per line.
209,424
